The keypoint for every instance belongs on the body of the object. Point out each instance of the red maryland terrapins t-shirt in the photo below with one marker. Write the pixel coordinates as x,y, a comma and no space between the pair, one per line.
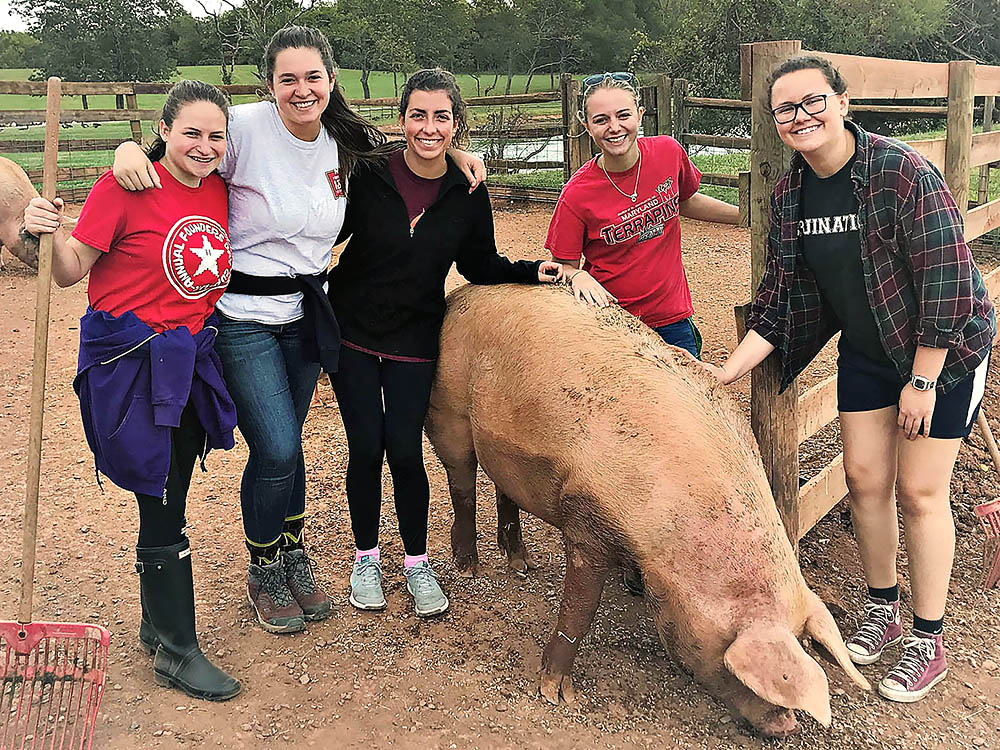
632,249
166,257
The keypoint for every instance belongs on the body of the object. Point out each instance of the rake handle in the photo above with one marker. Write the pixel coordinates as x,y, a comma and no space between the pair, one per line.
40,355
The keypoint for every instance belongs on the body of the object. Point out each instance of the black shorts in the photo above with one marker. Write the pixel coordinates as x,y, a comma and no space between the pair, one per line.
864,384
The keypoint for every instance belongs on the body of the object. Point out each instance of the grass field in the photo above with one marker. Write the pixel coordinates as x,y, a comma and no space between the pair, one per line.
380,83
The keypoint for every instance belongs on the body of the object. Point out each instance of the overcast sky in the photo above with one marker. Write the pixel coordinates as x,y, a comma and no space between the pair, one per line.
9,21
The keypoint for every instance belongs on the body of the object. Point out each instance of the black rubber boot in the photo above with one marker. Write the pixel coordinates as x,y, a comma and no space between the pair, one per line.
147,636
168,592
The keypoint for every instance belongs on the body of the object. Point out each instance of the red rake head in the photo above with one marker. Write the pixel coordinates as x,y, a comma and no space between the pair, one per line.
989,517
52,679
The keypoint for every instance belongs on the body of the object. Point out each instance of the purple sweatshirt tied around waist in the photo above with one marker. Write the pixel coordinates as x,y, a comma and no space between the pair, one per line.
133,384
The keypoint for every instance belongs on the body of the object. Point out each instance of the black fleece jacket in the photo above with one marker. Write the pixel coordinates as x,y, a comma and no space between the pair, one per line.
388,287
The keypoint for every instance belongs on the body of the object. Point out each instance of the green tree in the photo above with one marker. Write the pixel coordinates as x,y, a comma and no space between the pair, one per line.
17,49
102,40
194,41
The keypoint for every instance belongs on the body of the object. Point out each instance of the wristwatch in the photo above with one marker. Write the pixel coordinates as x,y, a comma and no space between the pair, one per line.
920,383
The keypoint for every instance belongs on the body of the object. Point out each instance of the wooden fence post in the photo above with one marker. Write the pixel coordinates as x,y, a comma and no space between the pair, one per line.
572,128
984,171
958,140
664,116
743,195
136,125
678,110
772,416
746,66
651,116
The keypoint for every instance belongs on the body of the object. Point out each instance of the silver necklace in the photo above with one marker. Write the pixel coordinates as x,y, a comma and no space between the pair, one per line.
635,189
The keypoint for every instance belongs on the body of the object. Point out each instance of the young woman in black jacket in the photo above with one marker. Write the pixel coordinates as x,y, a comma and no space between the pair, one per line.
409,219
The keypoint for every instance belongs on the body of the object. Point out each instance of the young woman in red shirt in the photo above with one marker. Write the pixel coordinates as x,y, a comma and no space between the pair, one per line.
150,384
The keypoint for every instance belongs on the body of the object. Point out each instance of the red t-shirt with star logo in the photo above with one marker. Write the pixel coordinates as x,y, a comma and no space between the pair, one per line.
633,248
166,257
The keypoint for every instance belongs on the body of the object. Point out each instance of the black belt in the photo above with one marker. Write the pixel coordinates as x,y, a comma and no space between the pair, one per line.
321,333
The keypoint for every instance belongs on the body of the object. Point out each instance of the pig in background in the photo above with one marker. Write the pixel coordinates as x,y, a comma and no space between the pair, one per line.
586,419
16,191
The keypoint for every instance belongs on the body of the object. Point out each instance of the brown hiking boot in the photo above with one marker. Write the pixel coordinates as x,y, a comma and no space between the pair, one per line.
272,601
301,582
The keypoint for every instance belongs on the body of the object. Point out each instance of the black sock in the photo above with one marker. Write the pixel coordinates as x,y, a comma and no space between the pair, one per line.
264,554
889,595
931,627
293,533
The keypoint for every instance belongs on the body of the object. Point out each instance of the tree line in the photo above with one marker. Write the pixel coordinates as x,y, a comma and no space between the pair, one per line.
492,39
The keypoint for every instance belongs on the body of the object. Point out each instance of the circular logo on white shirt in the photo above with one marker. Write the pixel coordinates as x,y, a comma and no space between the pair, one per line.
197,256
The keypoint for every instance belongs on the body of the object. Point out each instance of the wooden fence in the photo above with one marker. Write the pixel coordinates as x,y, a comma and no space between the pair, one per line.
668,110
782,422
128,111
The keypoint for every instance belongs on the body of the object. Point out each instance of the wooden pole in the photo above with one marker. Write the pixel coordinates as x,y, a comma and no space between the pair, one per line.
573,145
651,115
136,125
958,141
984,170
664,116
678,110
42,295
746,63
772,416
744,198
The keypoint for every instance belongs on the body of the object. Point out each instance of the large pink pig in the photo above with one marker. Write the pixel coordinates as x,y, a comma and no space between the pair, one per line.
587,420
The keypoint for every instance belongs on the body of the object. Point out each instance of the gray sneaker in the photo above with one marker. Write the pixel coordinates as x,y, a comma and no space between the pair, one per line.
428,598
366,584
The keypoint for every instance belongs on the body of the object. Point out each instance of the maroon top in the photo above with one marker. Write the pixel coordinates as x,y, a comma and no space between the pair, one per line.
417,192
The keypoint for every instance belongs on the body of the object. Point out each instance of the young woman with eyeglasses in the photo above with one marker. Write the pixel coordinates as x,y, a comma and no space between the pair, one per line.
619,214
866,239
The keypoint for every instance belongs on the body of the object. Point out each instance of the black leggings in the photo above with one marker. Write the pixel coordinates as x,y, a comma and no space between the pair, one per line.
161,519
383,403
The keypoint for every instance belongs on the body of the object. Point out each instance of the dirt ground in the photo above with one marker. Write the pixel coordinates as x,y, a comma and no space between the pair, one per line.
468,679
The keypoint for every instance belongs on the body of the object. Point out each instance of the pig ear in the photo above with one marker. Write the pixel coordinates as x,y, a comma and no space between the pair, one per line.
769,661
820,626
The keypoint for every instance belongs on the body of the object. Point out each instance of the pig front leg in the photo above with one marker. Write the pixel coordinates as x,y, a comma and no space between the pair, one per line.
586,572
509,537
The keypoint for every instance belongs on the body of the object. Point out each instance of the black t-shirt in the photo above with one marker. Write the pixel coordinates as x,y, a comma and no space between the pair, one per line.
830,236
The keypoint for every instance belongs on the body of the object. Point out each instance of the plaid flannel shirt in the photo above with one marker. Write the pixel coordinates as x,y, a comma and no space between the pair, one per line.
921,280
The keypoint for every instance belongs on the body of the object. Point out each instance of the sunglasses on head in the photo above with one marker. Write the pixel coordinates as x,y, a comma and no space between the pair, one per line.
599,78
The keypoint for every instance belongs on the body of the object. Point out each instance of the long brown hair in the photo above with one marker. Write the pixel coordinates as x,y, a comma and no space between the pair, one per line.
357,139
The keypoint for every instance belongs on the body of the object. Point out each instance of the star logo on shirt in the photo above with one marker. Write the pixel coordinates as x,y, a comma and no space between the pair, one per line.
209,256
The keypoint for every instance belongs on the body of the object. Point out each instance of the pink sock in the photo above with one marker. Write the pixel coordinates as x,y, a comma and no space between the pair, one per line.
373,552
410,560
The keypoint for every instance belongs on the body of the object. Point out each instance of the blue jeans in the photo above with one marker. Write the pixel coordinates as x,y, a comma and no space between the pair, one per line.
683,333
272,384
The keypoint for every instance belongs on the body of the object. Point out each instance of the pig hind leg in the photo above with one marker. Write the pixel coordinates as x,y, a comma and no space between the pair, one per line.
586,571
509,537
452,440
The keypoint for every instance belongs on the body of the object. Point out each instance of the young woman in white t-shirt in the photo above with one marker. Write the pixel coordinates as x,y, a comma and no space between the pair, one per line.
286,164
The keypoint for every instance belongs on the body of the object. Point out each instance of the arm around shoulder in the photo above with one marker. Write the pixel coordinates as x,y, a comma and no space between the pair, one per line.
132,170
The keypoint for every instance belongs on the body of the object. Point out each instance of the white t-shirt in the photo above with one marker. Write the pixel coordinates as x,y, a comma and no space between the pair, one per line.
286,207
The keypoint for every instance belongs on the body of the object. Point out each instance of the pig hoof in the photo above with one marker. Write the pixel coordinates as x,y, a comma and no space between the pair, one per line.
549,688
567,690
467,567
521,564
552,685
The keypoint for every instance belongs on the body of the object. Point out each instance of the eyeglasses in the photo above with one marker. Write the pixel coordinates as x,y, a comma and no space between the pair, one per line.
811,105
598,78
